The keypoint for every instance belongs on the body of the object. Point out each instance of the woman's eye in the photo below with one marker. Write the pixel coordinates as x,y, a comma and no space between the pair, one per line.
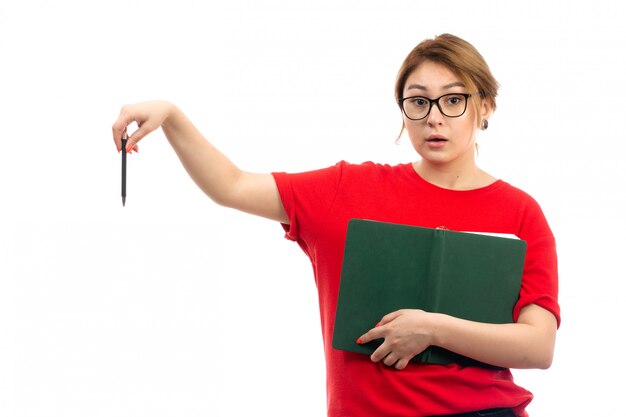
419,102
453,100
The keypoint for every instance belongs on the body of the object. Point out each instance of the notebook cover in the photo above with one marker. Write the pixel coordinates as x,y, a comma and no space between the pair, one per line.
388,267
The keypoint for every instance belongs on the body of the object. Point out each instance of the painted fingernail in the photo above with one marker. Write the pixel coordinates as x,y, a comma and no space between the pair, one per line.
377,324
359,341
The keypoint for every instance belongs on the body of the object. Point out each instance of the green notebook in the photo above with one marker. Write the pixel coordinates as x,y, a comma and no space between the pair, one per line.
387,267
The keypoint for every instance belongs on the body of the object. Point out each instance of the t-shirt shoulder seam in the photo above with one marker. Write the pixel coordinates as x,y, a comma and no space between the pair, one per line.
341,166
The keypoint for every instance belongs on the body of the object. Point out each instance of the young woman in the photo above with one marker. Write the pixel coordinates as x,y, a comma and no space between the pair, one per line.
446,93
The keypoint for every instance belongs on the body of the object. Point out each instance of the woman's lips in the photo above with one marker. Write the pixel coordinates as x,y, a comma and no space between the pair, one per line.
436,141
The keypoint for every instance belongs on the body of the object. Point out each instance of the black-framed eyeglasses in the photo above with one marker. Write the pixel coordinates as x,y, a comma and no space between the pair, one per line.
450,105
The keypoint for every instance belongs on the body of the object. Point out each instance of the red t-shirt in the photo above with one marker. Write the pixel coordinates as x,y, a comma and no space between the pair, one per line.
320,204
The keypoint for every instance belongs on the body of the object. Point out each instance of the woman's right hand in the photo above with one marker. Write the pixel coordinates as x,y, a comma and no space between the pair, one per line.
149,116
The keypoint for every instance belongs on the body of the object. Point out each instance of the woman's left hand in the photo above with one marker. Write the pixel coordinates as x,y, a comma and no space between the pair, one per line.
406,333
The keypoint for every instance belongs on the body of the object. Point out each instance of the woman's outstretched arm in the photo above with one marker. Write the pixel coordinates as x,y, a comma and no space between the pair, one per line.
210,169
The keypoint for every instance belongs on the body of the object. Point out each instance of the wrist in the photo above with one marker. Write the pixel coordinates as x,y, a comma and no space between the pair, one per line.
175,124
438,326
172,115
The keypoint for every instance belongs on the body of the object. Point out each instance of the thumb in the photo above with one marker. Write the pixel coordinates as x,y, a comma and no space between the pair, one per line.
138,135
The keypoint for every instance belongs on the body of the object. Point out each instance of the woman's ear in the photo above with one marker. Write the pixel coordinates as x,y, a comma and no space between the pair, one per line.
486,108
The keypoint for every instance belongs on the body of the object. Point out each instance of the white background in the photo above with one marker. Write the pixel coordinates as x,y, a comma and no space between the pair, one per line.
173,306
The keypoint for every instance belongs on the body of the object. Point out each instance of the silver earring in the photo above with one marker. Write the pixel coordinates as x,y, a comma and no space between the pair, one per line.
484,125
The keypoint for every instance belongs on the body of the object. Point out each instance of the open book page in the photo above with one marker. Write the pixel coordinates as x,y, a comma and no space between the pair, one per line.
506,235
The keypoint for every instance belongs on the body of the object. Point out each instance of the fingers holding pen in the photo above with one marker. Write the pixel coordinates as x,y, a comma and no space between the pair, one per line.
120,127
149,116
128,115
120,132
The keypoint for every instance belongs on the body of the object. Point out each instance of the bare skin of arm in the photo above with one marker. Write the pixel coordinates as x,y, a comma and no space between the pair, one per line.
210,169
529,343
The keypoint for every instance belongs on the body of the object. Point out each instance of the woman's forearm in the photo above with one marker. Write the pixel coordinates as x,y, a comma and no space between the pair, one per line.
210,169
529,343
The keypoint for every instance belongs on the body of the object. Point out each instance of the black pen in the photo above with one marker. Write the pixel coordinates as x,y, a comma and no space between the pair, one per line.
124,140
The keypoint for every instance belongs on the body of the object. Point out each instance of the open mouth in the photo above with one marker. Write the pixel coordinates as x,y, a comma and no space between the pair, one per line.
435,139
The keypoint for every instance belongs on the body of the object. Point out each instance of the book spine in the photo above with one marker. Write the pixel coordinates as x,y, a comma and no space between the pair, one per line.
436,270
433,284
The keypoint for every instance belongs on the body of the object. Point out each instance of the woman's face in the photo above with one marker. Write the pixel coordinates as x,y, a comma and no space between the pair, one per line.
439,139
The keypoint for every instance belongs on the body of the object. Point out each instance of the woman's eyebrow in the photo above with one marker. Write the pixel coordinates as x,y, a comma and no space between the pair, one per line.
454,84
416,86
447,86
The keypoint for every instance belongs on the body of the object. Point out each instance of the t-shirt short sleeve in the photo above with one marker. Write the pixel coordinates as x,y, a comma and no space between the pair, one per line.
307,198
540,280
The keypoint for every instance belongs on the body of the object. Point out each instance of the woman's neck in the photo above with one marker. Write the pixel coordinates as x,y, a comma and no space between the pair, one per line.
468,177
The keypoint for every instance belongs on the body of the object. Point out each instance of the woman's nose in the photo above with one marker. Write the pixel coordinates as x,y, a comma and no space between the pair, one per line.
435,116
